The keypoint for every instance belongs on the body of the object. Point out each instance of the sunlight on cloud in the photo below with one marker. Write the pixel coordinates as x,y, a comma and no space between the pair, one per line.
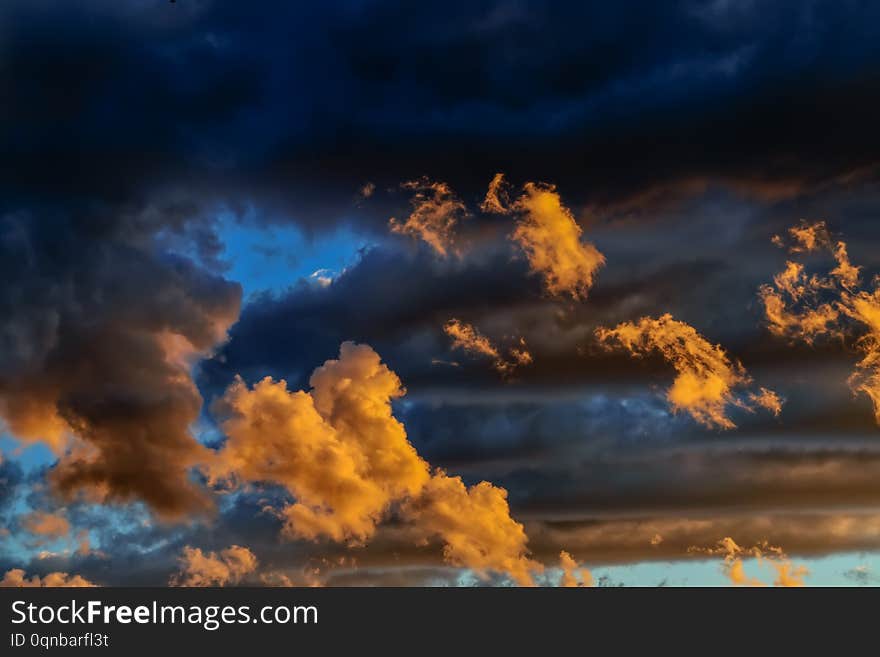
346,459
467,338
551,238
17,578
229,566
436,213
706,378
805,307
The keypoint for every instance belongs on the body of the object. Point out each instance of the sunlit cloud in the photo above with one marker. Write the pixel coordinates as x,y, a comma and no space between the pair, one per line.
435,217
497,200
17,578
804,306
547,232
467,338
347,461
573,574
734,556
707,380
229,566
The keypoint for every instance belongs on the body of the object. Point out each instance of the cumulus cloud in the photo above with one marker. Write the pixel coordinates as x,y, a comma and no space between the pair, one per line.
229,566
436,214
337,448
348,463
44,523
805,306
475,526
573,574
467,338
706,378
100,329
16,578
551,238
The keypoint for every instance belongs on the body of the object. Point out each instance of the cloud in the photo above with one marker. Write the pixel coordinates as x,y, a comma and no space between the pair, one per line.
497,200
43,523
767,399
16,578
347,462
475,526
467,338
436,213
228,566
102,326
573,575
805,307
786,574
551,238
337,448
706,377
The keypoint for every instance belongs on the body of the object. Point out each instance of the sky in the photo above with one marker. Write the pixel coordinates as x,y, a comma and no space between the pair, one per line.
460,293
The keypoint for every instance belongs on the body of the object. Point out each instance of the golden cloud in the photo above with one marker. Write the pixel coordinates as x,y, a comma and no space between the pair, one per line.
436,213
786,573
228,566
706,377
467,338
804,307
16,578
551,239
347,461
573,574
497,199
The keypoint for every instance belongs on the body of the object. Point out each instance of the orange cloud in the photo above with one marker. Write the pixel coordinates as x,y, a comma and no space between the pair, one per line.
794,306
475,525
734,568
467,338
497,199
16,578
43,523
808,237
573,575
705,376
788,575
347,461
551,239
337,448
845,272
767,399
436,212
33,417
212,569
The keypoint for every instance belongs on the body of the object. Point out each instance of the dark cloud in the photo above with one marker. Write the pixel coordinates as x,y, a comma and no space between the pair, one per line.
294,108
98,325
